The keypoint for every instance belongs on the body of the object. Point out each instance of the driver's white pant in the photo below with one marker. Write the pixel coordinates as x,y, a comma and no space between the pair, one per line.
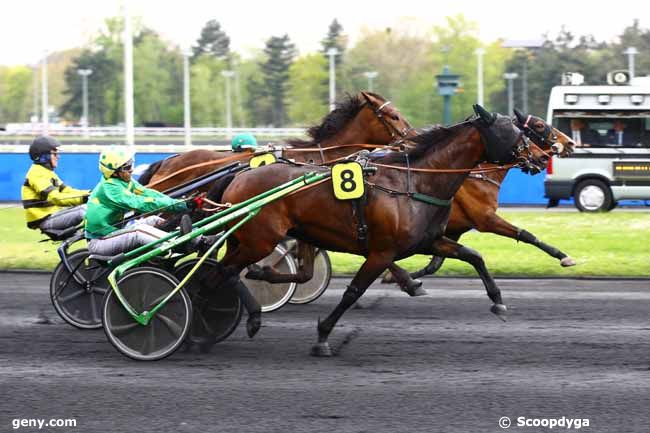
141,232
64,218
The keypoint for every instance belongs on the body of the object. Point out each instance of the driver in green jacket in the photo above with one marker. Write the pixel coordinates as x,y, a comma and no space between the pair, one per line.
118,194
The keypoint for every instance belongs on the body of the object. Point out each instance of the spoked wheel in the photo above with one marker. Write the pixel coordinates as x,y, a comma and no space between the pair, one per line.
314,288
216,310
77,298
273,296
144,288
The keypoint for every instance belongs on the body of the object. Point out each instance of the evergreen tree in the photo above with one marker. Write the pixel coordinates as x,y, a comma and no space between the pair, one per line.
213,41
103,77
279,53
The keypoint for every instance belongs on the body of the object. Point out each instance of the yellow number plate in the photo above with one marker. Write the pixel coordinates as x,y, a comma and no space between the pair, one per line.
260,160
347,180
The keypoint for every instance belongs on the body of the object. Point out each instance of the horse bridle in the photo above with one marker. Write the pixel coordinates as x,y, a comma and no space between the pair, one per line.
392,130
536,137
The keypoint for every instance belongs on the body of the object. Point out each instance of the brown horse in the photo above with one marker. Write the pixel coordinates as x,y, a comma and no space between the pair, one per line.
405,211
364,118
476,202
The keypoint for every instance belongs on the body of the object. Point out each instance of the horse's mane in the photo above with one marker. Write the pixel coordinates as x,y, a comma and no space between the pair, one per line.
335,121
429,138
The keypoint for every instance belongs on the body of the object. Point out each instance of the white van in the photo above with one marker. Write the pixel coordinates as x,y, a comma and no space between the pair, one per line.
611,127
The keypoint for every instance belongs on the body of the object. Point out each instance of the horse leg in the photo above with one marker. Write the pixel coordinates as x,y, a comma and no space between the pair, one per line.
446,247
235,256
374,265
495,224
406,283
306,254
436,261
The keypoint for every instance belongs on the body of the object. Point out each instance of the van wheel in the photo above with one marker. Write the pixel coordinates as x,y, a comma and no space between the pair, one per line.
593,195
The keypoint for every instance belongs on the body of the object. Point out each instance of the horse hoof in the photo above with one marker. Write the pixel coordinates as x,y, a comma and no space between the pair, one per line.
388,278
253,324
499,310
322,350
414,288
567,261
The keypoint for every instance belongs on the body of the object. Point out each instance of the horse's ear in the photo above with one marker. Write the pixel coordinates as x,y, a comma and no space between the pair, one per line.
484,114
520,117
366,97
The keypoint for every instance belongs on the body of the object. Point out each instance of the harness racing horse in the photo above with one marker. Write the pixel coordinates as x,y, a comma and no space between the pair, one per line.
406,212
476,202
364,118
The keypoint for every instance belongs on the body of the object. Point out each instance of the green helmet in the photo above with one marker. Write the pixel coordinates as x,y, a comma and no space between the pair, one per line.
243,141
111,159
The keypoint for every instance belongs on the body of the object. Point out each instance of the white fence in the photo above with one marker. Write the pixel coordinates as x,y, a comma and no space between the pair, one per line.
31,129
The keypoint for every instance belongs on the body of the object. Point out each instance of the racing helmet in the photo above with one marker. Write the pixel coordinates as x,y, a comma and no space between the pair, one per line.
39,150
243,141
114,158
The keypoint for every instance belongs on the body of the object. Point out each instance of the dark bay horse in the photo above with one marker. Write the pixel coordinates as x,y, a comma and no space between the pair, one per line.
398,225
363,118
366,118
476,202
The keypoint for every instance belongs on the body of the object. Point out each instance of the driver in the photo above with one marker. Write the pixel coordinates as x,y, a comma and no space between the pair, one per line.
243,141
48,202
116,194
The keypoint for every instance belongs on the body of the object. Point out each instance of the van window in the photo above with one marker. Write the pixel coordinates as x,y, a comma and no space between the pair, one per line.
606,131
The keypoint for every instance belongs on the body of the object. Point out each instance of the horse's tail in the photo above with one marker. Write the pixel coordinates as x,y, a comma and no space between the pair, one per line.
149,172
215,193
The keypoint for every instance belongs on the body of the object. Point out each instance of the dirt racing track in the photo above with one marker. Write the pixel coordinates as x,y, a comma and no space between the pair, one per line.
578,349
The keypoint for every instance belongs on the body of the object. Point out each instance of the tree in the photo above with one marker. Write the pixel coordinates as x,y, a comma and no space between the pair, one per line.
103,76
279,53
15,93
306,87
213,41
208,99
156,71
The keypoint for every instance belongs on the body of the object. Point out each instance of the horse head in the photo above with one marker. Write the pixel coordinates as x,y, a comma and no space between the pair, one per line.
505,143
543,134
392,120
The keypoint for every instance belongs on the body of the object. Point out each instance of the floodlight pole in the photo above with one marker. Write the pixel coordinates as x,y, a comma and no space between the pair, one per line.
332,52
128,77
479,75
46,119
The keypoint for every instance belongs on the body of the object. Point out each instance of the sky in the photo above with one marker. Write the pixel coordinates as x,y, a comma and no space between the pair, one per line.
29,27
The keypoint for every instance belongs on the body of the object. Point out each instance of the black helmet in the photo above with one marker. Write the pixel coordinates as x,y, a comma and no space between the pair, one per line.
42,146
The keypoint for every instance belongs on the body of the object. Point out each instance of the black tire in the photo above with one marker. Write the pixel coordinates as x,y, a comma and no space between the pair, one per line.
216,311
143,288
76,299
593,195
314,288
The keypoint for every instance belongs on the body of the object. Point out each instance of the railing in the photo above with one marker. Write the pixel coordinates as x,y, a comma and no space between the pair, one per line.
31,129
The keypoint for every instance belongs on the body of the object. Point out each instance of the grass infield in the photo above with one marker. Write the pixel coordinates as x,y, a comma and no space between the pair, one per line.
608,245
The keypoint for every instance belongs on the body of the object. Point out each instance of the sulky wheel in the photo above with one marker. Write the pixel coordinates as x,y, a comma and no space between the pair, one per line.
144,288
216,310
312,289
273,296
78,298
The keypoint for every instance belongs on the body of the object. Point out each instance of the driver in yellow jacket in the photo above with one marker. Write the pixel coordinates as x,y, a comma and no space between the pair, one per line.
49,203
